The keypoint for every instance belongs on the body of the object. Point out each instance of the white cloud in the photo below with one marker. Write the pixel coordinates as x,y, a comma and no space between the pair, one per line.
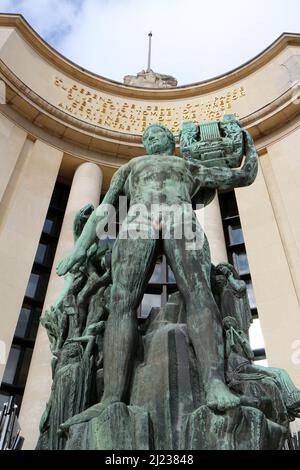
50,18
192,39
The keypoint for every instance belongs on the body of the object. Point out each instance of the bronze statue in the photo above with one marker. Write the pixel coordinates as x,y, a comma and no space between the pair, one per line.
185,377
161,178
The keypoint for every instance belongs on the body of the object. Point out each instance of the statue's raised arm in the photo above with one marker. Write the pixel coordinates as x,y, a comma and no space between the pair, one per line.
97,221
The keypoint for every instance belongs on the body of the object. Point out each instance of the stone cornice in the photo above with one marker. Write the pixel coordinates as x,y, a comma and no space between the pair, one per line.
282,109
110,86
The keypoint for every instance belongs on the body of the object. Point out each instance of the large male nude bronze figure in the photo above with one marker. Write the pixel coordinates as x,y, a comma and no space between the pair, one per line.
161,178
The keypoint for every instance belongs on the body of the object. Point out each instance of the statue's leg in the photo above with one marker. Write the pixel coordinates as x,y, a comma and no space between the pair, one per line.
132,264
290,393
92,285
83,298
191,266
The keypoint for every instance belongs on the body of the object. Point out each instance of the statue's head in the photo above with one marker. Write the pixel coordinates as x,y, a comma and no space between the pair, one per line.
226,269
158,140
230,322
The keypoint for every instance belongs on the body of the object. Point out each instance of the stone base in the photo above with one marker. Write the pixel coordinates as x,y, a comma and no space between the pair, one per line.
167,408
118,427
242,428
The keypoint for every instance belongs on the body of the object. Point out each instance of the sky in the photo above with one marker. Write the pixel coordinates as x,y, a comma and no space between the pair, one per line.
193,40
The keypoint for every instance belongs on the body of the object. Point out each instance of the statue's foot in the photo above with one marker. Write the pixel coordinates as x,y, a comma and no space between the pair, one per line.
110,401
220,398
86,415
293,403
82,417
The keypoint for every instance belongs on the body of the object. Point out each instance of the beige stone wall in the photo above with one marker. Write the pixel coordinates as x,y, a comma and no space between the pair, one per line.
12,139
5,33
274,289
281,169
23,210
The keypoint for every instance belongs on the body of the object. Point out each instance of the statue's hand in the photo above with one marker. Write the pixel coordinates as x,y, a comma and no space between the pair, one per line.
247,173
74,340
66,264
92,250
250,166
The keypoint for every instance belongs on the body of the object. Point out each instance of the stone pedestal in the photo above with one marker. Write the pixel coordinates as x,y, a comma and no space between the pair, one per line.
117,427
167,408
242,428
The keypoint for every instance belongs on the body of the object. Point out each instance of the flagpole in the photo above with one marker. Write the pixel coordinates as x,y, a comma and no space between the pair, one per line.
149,52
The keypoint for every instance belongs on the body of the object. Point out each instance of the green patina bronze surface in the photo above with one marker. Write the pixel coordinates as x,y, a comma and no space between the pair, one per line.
185,378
